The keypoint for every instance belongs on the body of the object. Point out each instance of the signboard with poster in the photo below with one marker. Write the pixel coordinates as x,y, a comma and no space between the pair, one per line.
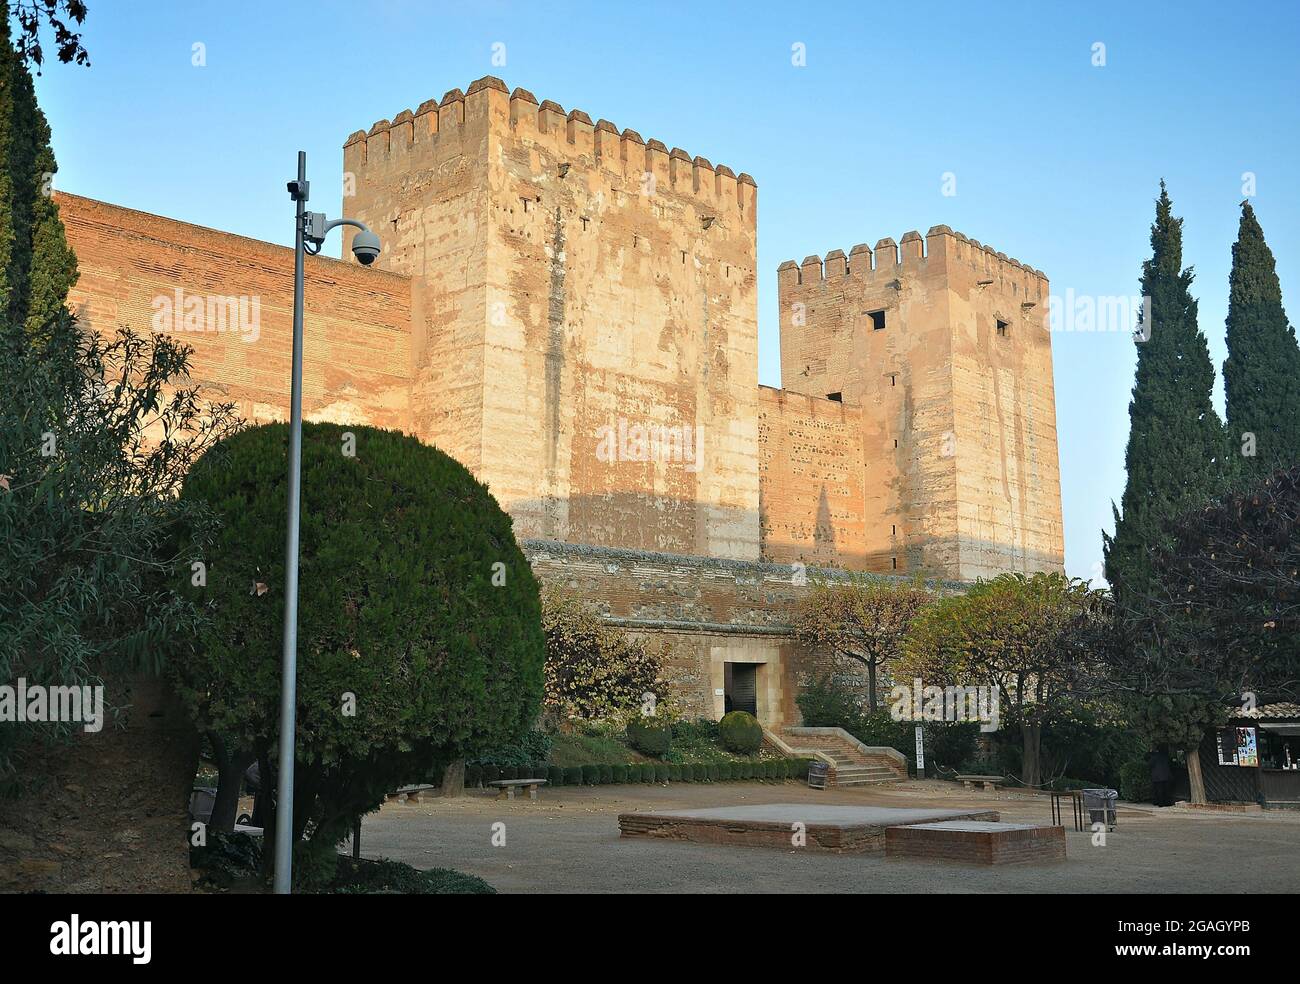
1247,752
1237,746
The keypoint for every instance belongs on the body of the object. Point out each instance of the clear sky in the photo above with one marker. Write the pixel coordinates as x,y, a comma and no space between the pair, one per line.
1055,160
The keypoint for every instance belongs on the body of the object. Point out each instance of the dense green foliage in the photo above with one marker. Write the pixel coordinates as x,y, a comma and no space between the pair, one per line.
740,732
1261,376
862,619
410,651
396,877
593,670
1177,455
650,736
1028,636
1135,782
36,265
88,507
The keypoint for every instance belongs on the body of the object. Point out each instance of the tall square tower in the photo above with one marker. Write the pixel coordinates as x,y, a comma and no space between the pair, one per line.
586,326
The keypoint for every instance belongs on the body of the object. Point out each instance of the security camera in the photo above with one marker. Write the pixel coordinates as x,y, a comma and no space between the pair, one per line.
365,247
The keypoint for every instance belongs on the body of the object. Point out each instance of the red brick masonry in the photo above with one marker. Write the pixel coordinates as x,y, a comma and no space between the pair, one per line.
834,829
977,842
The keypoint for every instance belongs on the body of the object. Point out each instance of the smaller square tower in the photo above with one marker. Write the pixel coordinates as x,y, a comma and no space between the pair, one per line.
943,344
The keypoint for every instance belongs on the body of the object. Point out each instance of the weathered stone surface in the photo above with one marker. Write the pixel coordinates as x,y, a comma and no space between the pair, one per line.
572,313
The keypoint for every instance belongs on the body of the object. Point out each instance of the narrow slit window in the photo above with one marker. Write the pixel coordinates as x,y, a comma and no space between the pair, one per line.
893,563
1002,328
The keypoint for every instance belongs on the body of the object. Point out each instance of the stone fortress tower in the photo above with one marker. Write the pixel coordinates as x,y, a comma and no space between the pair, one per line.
571,310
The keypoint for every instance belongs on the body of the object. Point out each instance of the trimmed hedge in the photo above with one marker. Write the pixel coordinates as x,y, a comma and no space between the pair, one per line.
650,736
740,732
643,772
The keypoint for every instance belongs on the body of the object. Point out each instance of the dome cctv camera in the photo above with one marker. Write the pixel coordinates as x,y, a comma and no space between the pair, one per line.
365,247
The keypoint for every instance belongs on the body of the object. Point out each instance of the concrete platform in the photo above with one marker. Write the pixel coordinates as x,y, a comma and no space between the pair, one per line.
837,829
977,842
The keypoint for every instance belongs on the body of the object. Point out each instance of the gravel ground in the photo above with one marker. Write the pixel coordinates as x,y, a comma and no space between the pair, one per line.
568,841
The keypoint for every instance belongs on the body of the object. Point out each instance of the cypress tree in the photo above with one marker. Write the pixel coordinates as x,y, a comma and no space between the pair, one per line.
1177,448
1261,376
36,265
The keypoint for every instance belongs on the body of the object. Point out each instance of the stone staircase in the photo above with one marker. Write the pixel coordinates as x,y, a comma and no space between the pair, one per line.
851,762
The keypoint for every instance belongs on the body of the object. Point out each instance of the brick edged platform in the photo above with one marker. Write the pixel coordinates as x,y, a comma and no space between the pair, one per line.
835,829
976,842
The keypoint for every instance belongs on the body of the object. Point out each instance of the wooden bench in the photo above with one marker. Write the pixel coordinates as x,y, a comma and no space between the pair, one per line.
506,787
989,783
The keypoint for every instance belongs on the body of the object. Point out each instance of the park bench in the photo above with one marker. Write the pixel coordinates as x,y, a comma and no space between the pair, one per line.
989,783
412,794
506,787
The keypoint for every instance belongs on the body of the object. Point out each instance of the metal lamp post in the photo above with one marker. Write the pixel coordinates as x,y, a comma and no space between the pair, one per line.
310,229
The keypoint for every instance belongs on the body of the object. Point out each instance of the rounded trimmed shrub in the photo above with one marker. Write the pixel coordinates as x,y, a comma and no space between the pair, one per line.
554,776
674,772
573,775
590,775
740,732
713,772
647,772
688,772
618,774
490,774
661,772
606,772
726,772
510,772
650,736
397,603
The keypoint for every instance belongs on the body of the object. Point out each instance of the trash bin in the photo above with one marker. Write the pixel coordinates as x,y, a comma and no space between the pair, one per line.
817,773
1100,804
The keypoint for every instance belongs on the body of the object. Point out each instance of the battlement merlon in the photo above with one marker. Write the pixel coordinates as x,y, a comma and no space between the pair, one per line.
914,254
572,135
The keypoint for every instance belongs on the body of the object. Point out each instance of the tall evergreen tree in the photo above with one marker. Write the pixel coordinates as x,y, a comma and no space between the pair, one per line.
1177,448
1261,376
36,265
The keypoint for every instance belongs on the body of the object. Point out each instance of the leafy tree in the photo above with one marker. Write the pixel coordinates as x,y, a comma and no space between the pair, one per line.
863,619
1177,449
36,265
1026,635
1222,619
62,16
595,671
419,622
1261,376
95,436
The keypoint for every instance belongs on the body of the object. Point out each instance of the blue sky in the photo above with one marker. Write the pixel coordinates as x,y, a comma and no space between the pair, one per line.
1056,160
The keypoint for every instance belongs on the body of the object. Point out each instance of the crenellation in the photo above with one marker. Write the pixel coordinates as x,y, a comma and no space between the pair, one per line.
550,118
546,280
912,246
